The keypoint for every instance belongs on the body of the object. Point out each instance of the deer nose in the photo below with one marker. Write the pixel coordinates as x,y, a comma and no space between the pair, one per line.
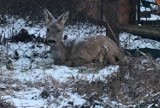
51,41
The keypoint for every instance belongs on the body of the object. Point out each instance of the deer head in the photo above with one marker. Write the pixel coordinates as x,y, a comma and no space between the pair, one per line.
55,27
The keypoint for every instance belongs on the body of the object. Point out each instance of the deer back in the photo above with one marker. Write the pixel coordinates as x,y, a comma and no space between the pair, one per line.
99,48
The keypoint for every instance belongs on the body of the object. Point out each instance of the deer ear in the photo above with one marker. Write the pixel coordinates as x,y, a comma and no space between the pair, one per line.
48,17
63,18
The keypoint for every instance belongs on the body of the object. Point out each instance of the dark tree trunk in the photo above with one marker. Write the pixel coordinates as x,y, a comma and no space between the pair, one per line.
143,31
111,16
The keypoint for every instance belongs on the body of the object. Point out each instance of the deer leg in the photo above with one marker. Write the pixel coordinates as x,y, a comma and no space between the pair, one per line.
111,59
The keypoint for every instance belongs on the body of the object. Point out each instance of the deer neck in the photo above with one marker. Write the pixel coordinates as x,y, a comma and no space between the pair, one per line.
63,48
60,52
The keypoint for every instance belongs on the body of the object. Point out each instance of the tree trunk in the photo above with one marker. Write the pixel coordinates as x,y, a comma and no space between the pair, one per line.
143,31
111,9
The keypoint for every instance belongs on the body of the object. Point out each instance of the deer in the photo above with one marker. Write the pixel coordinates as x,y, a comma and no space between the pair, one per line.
97,49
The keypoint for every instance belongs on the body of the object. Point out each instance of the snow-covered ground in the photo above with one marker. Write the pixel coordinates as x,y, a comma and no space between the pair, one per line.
130,41
153,17
31,68
31,64
14,25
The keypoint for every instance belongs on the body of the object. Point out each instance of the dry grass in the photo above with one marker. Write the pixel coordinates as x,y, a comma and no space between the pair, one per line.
4,104
137,81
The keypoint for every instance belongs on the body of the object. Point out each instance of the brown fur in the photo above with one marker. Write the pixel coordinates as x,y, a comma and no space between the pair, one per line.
99,49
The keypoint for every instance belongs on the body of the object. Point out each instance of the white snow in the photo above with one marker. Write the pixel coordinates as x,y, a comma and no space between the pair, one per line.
14,25
130,41
152,18
26,98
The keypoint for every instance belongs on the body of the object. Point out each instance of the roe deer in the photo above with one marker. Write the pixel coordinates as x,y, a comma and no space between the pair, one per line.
99,49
